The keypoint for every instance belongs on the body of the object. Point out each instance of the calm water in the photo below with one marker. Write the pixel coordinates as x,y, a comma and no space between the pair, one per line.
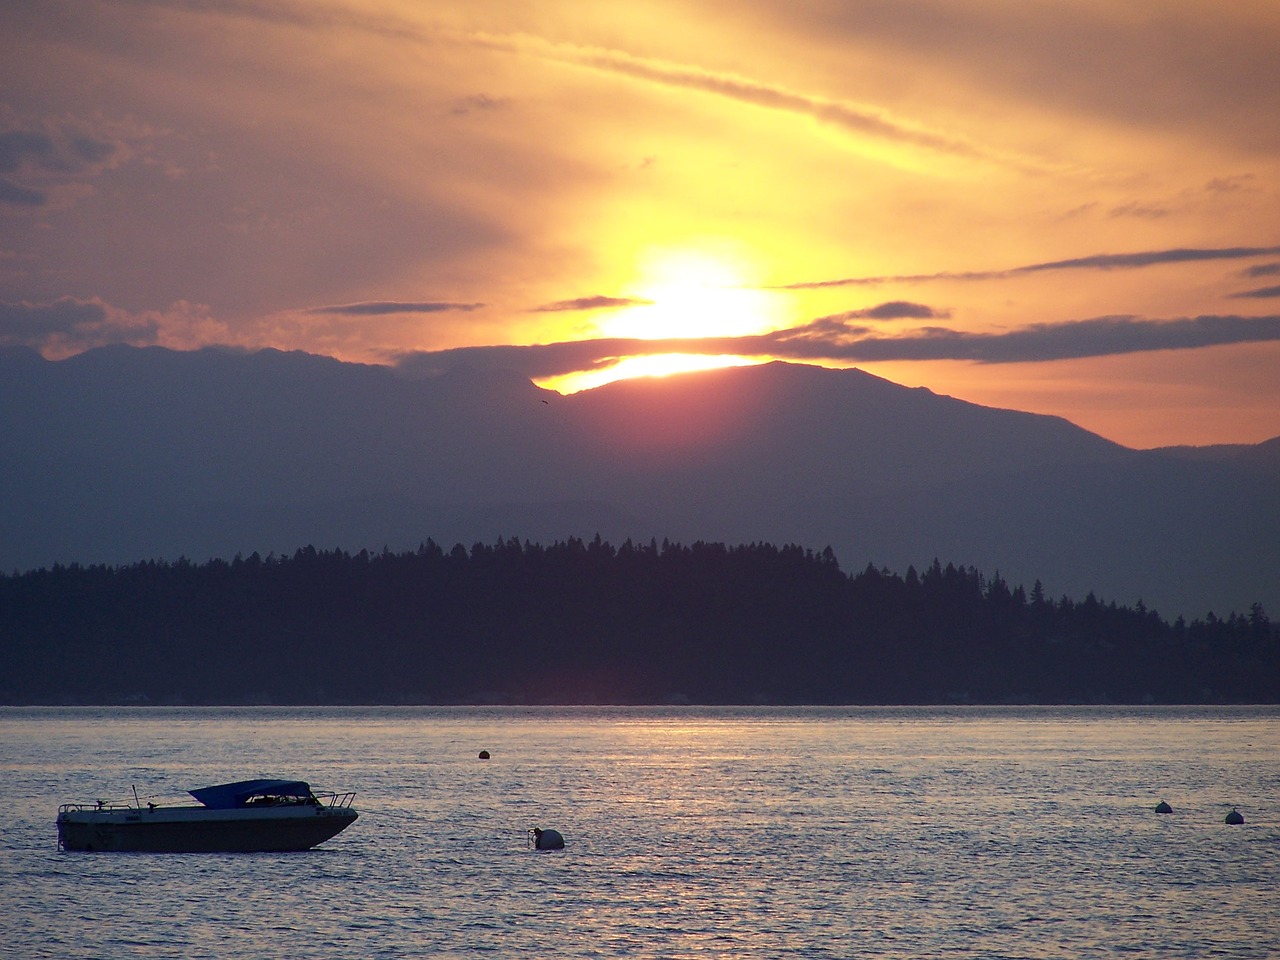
691,833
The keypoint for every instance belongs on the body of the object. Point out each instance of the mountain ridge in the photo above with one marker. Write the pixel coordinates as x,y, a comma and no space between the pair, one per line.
123,454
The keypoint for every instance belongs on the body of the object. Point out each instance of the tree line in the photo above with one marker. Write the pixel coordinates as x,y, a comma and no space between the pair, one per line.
587,622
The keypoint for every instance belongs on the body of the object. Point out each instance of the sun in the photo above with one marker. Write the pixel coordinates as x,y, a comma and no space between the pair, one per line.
693,293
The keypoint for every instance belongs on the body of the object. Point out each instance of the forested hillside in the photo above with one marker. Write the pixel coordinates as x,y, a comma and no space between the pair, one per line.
585,622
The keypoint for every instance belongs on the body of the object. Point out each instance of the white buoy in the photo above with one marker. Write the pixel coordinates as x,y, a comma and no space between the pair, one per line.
547,839
1234,817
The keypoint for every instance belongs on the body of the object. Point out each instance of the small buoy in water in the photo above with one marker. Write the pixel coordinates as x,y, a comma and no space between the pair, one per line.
547,839
1163,807
484,754
1234,816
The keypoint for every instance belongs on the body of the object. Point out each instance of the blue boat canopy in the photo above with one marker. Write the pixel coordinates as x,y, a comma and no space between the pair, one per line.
228,796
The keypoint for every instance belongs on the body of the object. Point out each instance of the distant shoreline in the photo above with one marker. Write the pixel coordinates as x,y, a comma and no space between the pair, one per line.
587,623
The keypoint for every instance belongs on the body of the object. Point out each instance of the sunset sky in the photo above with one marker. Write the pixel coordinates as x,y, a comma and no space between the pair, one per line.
1063,207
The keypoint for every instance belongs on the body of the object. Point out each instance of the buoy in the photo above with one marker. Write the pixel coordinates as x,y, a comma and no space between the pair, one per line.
484,754
547,839
1234,816
1163,807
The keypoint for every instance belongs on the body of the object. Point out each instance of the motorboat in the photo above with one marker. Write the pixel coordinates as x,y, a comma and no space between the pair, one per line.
249,816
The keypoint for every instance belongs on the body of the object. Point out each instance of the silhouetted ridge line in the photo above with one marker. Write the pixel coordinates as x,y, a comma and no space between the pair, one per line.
586,622
121,453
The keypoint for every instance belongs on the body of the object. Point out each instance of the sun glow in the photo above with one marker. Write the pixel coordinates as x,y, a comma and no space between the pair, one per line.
652,365
702,292
693,293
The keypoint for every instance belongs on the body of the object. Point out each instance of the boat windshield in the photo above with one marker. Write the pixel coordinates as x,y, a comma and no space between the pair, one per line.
228,796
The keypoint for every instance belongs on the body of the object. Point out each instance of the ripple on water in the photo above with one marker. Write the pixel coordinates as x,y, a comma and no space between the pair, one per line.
761,833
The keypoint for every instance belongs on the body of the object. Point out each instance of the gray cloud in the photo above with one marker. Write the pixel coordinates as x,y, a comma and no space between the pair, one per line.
854,119
1126,261
1260,294
591,303
378,308
68,325
64,151
28,323
1263,270
24,150
1101,336
1041,342
19,147
75,323
892,278
1091,60
48,156
829,330
19,195
892,310
1104,261
830,339
1230,184
1141,211
480,102
534,360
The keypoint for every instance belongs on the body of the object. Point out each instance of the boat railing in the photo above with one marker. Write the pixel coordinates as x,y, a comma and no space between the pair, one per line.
337,801
96,805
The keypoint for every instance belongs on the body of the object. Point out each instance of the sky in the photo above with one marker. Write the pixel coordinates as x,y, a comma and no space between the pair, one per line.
1069,208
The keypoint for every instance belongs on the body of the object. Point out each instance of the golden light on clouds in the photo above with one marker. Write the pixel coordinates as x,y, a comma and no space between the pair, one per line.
499,174
704,289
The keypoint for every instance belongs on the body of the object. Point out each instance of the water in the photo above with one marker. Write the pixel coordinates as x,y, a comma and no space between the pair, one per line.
691,833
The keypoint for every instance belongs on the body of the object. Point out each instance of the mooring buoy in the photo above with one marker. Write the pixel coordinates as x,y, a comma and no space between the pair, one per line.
1163,807
547,839
1234,817
484,754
